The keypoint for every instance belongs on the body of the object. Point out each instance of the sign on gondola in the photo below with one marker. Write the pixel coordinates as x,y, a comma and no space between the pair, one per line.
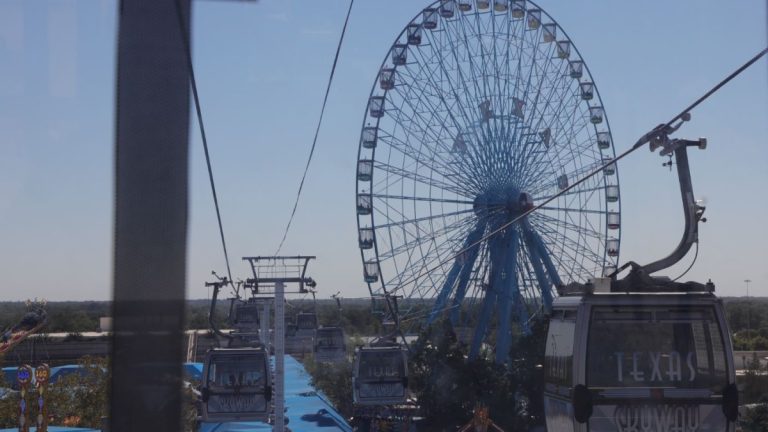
380,376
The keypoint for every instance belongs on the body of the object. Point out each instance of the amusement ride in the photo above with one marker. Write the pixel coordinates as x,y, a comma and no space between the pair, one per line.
480,111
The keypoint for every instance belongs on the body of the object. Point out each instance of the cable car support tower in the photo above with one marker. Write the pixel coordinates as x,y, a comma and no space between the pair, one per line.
271,276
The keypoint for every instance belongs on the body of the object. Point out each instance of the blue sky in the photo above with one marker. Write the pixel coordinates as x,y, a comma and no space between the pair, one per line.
262,70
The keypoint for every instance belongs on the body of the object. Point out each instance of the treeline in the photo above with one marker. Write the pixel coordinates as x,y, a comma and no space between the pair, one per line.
747,318
81,317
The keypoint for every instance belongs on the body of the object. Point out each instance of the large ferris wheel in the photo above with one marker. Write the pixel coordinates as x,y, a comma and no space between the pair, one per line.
481,110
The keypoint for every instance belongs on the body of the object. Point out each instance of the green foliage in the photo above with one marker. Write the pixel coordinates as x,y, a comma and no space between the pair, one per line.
448,386
743,313
756,418
754,382
78,399
750,340
197,314
333,380
9,406
81,399
356,319
189,407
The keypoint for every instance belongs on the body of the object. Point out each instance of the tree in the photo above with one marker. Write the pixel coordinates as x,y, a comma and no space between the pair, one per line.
448,386
9,405
81,398
755,382
756,418
334,381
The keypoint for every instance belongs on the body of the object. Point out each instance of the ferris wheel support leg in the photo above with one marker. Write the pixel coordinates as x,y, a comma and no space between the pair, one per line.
491,294
509,292
462,268
461,288
450,280
545,283
546,258
482,324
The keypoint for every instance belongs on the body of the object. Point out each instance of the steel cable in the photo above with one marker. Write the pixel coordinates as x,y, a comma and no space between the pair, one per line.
317,131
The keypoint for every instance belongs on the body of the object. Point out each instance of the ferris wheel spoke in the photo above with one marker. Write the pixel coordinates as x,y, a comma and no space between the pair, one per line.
414,176
566,154
410,247
524,95
445,171
472,162
485,136
427,199
420,232
476,77
567,245
453,239
554,125
423,219
569,224
567,258
539,153
421,236
468,119
548,113
577,174
416,271
576,210
422,130
575,191
439,91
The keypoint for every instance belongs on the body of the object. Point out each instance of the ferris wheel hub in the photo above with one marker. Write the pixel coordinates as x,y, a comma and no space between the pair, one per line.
509,199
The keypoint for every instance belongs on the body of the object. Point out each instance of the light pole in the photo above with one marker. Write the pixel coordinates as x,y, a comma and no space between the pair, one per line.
747,281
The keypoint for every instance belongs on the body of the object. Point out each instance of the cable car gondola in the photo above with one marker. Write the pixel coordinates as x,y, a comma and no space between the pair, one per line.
236,385
380,376
306,324
614,360
330,345
643,353
245,320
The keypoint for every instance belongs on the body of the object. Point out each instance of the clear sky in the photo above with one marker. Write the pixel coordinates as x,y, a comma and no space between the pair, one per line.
262,70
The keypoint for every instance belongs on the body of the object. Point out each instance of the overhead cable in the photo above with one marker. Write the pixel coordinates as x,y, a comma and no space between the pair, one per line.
317,131
198,110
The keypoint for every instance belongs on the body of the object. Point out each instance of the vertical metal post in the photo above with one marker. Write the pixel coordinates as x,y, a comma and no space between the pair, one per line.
279,343
264,323
151,170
